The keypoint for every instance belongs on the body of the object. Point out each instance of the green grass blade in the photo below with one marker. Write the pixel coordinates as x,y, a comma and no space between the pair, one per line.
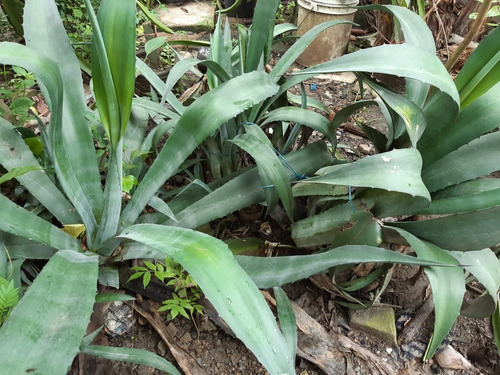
21,222
448,288
233,294
481,71
478,158
271,272
44,331
71,138
262,27
468,231
199,121
14,153
271,170
397,170
132,355
287,320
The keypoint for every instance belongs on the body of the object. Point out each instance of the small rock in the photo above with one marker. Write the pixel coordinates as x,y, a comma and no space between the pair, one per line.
365,149
172,329
186,338
378,321
451,359
161,348
118,318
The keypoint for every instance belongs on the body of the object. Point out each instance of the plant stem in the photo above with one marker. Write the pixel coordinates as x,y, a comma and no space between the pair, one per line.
483,11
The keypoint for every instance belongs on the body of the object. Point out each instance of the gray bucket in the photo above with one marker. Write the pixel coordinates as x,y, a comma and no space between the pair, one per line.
332,42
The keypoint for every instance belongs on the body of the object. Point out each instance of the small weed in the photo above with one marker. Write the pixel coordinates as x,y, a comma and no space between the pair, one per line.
187,292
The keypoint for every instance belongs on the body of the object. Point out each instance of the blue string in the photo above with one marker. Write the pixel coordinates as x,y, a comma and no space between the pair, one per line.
287,164
314,86
350,199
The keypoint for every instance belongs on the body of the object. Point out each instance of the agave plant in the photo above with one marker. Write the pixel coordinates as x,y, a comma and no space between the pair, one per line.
45,331
448,138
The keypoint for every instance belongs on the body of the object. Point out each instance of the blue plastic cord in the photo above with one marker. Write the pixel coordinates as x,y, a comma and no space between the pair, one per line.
350,199
287,164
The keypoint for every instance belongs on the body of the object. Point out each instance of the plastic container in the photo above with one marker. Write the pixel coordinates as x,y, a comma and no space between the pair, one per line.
332,42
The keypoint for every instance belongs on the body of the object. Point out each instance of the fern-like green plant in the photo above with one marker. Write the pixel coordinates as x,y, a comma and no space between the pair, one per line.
8,298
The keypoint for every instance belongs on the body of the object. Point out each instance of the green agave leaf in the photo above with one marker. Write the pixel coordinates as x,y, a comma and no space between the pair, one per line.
416,33
271,170
481,71
448,288
362,229
287,320
70,141
112,297
264,19
468,231
300,46
150,16
21,222
154,44
390,203
159,86
44,331
113,63
13,9
226,285
180,68
283,28
131,355
495,322
19,172
412,116
397,170
323,228
23,248
478,158
245,189
415,30
479,118
412,62
199,121
302,117
468,196
311,102
484,265
271,272
220,50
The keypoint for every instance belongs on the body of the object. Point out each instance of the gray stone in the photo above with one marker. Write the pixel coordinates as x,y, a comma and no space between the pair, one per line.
192,16
378,321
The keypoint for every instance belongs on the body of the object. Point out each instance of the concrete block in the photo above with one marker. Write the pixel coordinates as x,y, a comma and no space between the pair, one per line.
378,321
191,16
